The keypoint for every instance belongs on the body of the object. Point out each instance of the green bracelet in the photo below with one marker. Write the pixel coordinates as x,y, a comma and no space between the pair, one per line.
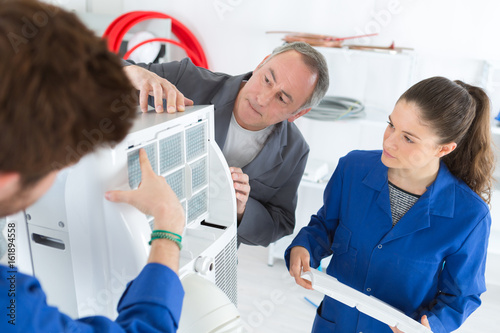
155,232
165,236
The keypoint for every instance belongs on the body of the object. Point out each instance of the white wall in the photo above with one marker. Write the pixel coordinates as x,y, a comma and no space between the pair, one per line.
462,28
233,31
451,37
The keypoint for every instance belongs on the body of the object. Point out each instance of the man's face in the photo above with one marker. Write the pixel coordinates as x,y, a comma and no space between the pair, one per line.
13,198
275,92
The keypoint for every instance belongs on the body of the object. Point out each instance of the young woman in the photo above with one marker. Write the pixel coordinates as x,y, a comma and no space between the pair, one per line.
409,224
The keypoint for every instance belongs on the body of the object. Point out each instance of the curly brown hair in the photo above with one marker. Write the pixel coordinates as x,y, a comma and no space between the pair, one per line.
62,95
460,113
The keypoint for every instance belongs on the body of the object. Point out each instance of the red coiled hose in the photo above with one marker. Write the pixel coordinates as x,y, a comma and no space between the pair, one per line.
187,41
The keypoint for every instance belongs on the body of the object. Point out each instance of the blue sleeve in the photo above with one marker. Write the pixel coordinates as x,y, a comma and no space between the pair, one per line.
461,282
151,303
317,236
156,296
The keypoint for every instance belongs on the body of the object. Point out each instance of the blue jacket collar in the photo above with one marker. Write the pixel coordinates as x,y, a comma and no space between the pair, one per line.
438,200
440,194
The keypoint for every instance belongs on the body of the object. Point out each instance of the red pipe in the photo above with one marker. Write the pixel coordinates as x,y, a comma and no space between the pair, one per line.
187,41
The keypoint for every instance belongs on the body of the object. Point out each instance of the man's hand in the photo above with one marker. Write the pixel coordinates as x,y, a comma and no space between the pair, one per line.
242,188
423,321
153,197
299,262
148,83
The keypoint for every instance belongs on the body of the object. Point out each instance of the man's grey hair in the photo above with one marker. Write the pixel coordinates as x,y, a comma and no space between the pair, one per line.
316,63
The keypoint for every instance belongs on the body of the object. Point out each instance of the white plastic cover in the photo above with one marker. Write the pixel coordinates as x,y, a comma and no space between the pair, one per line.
369,305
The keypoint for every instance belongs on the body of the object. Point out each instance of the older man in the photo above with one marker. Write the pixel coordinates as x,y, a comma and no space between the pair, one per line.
254,115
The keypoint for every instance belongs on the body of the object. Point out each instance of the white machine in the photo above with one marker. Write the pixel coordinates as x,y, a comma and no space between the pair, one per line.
85,249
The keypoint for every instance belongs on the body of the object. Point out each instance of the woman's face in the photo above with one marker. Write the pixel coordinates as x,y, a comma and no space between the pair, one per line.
408,143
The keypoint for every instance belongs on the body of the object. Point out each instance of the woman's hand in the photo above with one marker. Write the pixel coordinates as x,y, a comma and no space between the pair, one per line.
299,261
423,321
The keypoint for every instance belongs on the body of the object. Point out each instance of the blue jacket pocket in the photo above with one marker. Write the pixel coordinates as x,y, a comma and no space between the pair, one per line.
321,324
343,263
341,240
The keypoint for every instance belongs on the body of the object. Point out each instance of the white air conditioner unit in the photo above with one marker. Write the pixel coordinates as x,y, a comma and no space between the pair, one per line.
84,249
